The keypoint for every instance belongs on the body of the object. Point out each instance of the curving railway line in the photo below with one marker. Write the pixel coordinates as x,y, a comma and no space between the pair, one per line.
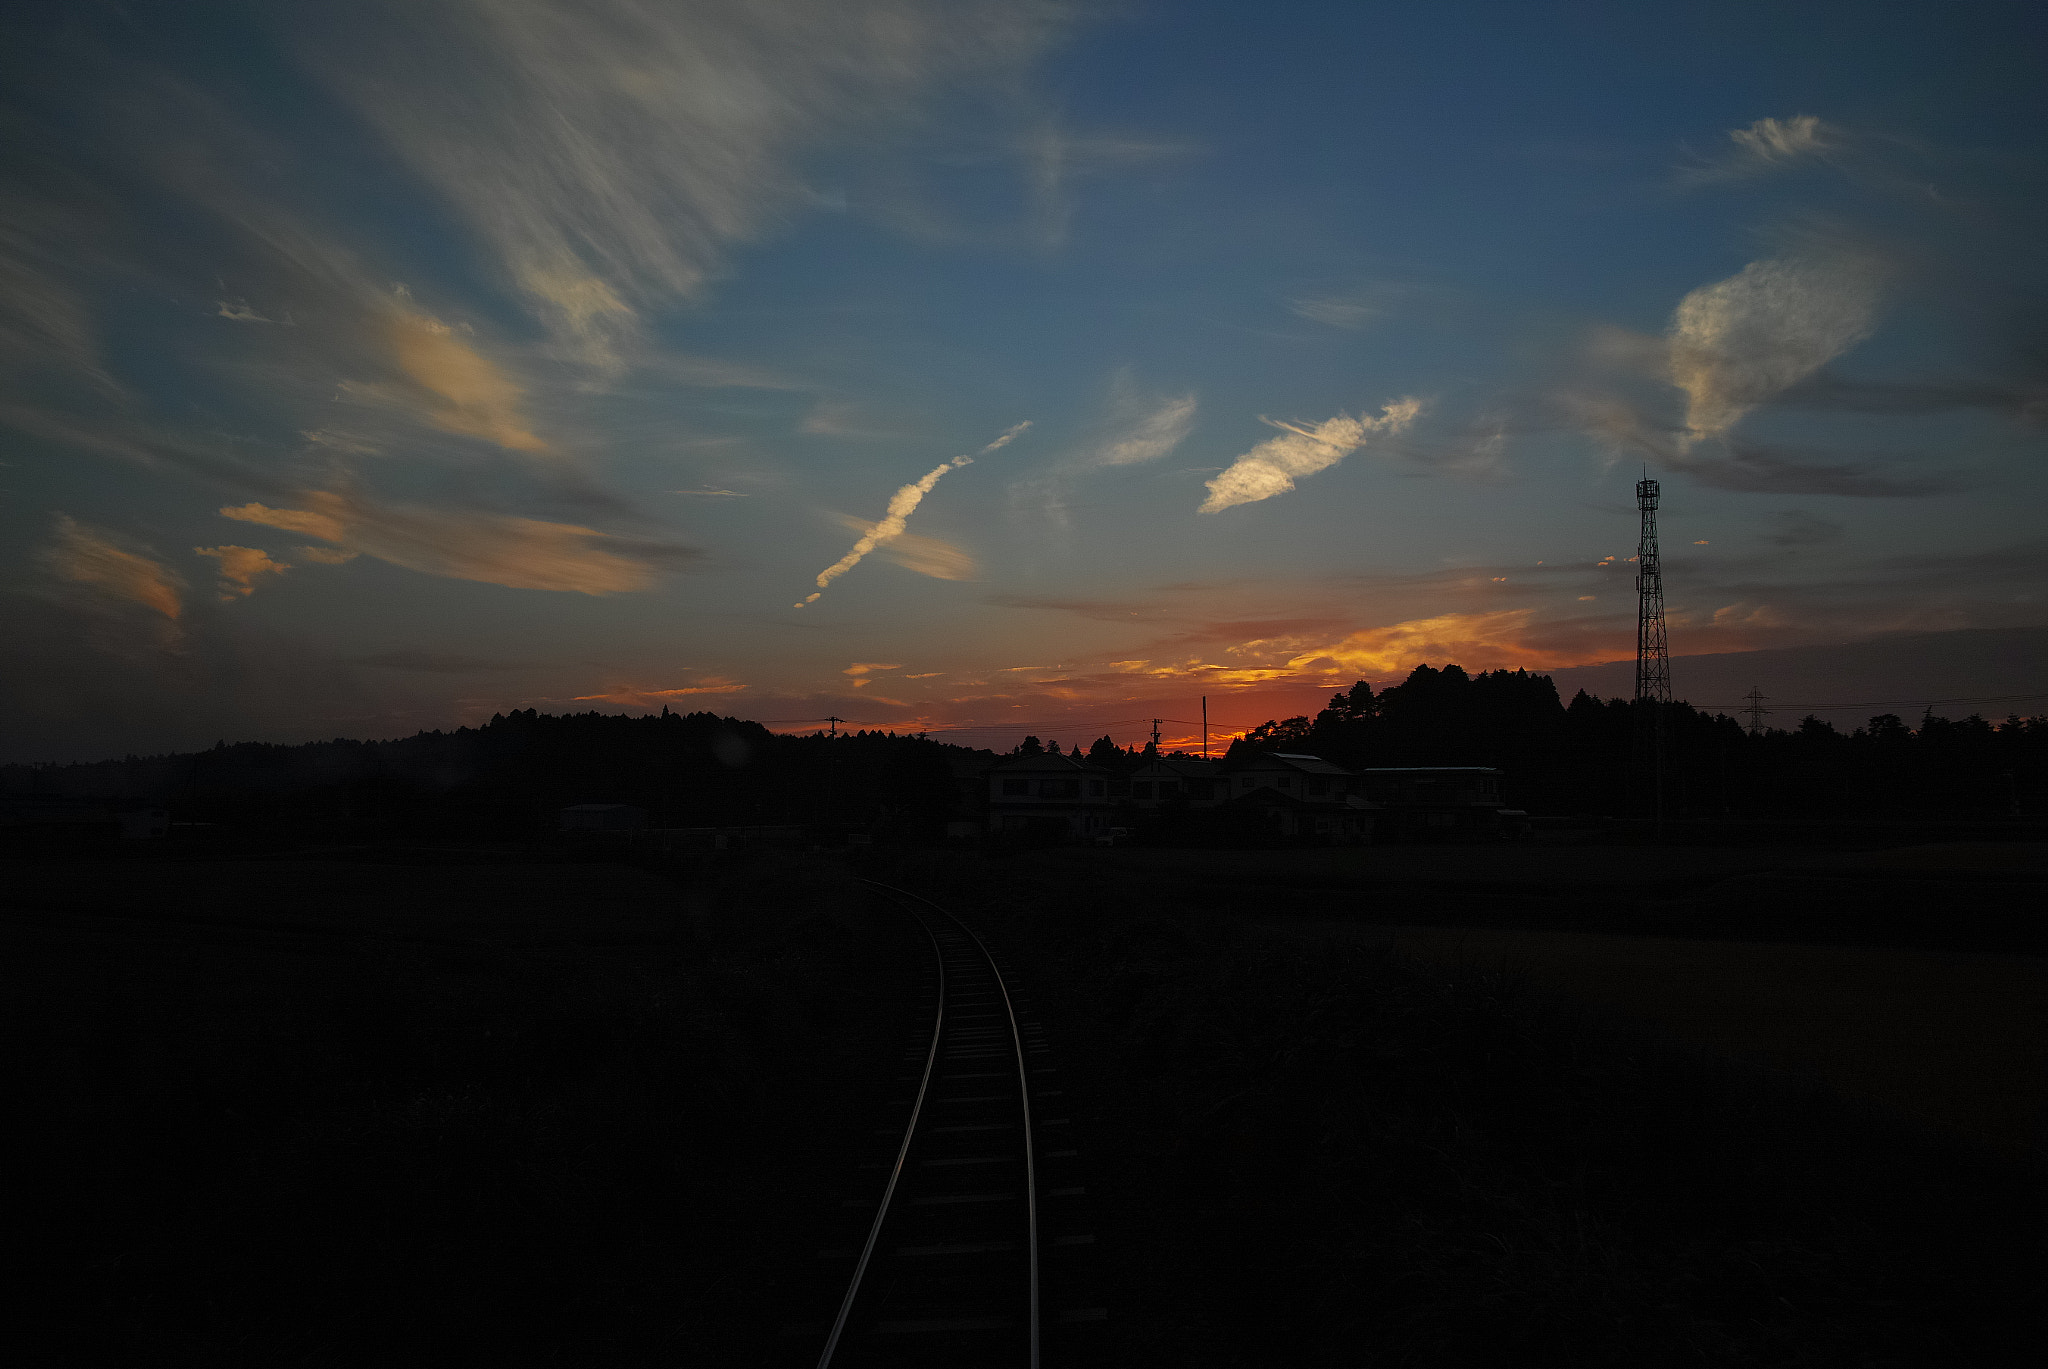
977,1237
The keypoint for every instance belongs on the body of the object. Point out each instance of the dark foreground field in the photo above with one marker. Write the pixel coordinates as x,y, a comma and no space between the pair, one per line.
414,1107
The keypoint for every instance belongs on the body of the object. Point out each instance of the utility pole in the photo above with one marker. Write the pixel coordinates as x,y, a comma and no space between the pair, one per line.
835,721
1653,653
1155,736
1205,727
1756,710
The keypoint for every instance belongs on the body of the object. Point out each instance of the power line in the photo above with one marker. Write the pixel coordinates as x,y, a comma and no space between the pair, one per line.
1889,703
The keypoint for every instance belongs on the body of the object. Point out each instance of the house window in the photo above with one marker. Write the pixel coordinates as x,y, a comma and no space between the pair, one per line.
1059,789
1318,785
1016,787
1141,789
1285,781
1245,783
1201,789
1095,788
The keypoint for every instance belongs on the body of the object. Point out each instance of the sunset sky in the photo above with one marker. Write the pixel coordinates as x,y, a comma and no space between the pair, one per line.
993,367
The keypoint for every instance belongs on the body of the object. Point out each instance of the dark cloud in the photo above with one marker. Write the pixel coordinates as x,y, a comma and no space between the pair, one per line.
1102,610
1798,528
436,662
2023,398
1885,673
1762,468
72,693
2029,559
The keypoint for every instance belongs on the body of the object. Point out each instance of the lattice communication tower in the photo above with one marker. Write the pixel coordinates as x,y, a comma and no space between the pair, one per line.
1653,651
1653,659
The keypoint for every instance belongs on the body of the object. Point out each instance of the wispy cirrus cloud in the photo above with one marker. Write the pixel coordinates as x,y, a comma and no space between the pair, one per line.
1356,306
931,556
1141,427
469,394
519,553
49,226
1056,160
96,560
1274,465
651,698
610,154
901,505
1765,146
239,311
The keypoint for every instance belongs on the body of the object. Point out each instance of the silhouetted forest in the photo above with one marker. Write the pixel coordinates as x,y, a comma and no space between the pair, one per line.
513,774
1577,757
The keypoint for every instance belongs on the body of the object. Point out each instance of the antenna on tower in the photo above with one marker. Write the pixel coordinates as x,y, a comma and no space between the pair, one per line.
1653,651
1756,710
1155,735
835,721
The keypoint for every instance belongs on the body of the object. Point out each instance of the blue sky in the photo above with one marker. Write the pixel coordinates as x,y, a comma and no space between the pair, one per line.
374,367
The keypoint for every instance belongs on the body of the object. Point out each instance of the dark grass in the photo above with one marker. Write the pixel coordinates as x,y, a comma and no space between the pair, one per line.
259,1144
431,1113
1327,1154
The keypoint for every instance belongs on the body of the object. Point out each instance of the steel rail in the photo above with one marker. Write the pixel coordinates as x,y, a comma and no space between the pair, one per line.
924,1083
910,1130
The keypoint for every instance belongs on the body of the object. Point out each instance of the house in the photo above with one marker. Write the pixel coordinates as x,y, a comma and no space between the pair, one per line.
966,798
1301,797
43,819
1048,796
145,824
603,817
1160,780
1443,802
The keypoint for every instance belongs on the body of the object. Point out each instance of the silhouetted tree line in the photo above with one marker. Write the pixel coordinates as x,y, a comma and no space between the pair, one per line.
687,770
1581,757
517,771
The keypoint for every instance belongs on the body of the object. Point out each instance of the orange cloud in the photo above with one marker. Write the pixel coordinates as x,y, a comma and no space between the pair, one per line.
1204,672
1478,641
325,526
88,556
479,400
240,567
648,698
519,553
859,670
328,556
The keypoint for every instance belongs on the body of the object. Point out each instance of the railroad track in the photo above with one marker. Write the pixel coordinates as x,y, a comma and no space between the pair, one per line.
977,1240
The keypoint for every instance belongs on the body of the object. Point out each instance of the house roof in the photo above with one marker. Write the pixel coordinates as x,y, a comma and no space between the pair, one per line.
1063,765
1431,770
1186,767
597,807
1310,765
1267,795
